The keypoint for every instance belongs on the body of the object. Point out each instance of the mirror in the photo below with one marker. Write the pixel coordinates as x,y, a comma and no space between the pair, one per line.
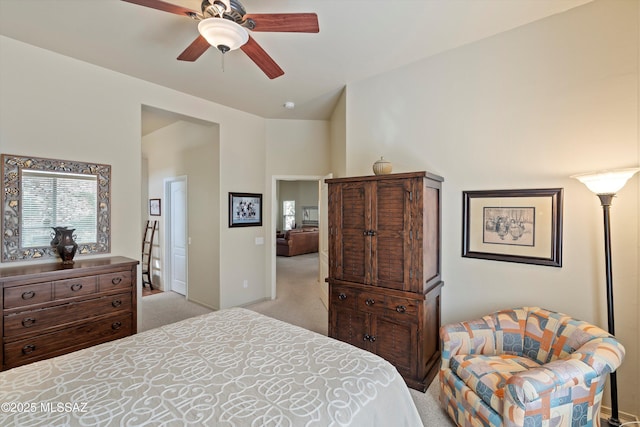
43,193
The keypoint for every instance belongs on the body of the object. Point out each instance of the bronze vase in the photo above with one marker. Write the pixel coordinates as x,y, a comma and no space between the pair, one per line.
65,244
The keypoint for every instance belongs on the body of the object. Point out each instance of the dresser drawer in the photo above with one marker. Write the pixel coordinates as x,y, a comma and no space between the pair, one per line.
48,345
119,280
27,322
20,296
343,297
75,287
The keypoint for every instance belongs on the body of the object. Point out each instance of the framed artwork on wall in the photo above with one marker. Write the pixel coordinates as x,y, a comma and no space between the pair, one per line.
513,225
245,210
154,207
309,215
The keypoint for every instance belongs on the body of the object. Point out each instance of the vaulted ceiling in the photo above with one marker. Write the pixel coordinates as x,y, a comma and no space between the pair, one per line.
357,39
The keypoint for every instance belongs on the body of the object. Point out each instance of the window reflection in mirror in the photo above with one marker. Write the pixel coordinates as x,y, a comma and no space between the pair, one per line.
52,199
45,193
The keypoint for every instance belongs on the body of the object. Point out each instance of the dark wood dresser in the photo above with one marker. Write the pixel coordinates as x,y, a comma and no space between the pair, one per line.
384,269
51,309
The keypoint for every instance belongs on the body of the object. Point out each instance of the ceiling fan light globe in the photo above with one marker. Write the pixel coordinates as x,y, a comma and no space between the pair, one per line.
223,34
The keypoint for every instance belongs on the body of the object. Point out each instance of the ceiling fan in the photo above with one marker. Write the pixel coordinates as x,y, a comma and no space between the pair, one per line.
224,24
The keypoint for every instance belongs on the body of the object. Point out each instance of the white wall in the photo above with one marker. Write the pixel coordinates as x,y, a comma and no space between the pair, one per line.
54,106
298,150
191,150
338,137
523,109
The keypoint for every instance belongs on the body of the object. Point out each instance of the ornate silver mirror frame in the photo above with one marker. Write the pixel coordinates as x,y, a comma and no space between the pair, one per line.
12,167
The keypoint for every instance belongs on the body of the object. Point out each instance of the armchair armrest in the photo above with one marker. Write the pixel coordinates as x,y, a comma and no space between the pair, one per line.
595,358
472,337
604,354
528,386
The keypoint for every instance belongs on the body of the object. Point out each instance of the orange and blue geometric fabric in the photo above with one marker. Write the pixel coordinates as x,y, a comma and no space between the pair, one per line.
525,367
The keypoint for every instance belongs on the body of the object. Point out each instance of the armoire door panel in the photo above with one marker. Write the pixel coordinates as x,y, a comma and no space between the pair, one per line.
354,260
389,263
396,342
355,246
392,225
351,327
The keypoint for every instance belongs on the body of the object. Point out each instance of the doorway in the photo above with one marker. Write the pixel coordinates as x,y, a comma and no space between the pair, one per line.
317,201
177,237
182,146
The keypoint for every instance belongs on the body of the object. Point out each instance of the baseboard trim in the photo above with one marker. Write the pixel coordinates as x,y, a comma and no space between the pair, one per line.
626,419
205,305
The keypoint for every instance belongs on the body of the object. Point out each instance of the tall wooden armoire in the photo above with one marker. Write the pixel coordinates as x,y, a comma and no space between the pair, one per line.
384,269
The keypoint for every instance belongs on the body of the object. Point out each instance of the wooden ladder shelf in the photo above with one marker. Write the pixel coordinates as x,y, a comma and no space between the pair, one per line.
147,249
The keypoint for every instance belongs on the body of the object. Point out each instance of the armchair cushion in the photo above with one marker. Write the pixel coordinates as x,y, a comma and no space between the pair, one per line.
525,366
488,375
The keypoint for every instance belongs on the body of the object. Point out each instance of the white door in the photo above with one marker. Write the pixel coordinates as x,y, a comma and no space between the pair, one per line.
323,241
178,235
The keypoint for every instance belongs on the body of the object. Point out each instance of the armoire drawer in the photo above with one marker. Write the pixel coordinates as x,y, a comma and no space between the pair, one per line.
343,296
402,306
30,321
371,302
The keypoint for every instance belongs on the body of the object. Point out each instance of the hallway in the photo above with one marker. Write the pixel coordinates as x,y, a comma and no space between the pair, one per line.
297,294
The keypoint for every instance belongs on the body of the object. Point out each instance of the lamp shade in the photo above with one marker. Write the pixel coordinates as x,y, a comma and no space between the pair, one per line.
606,182
223,34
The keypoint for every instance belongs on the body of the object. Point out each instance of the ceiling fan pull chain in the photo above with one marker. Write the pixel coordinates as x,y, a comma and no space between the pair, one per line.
222,62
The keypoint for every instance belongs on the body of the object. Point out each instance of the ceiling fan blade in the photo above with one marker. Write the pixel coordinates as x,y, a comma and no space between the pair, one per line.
195,49
166,7
285,22
262,59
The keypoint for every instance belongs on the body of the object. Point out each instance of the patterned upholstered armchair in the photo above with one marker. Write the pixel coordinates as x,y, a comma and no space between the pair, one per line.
525,367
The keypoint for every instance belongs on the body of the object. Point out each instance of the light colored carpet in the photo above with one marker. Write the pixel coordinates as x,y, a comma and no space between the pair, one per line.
297,294
298,302
164,308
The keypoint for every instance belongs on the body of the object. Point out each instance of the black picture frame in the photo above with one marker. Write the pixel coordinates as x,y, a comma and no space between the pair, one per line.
523,226
245,210
154,207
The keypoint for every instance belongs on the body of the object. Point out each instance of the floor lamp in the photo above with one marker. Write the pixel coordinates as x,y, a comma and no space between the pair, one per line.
605,185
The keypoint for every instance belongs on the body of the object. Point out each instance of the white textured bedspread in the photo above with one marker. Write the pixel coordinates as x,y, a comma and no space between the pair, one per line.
229,368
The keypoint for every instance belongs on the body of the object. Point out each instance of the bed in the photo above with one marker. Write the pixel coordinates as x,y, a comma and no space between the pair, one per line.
232,367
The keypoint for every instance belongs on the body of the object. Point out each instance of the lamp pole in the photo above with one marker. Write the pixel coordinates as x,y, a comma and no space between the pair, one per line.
605,184
605,200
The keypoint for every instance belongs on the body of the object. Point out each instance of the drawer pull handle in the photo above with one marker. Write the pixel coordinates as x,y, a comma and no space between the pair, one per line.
370,301
116,325
342,297
28,322
116,280
76,287
401,309
116,303
28,295
29,348
370,338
